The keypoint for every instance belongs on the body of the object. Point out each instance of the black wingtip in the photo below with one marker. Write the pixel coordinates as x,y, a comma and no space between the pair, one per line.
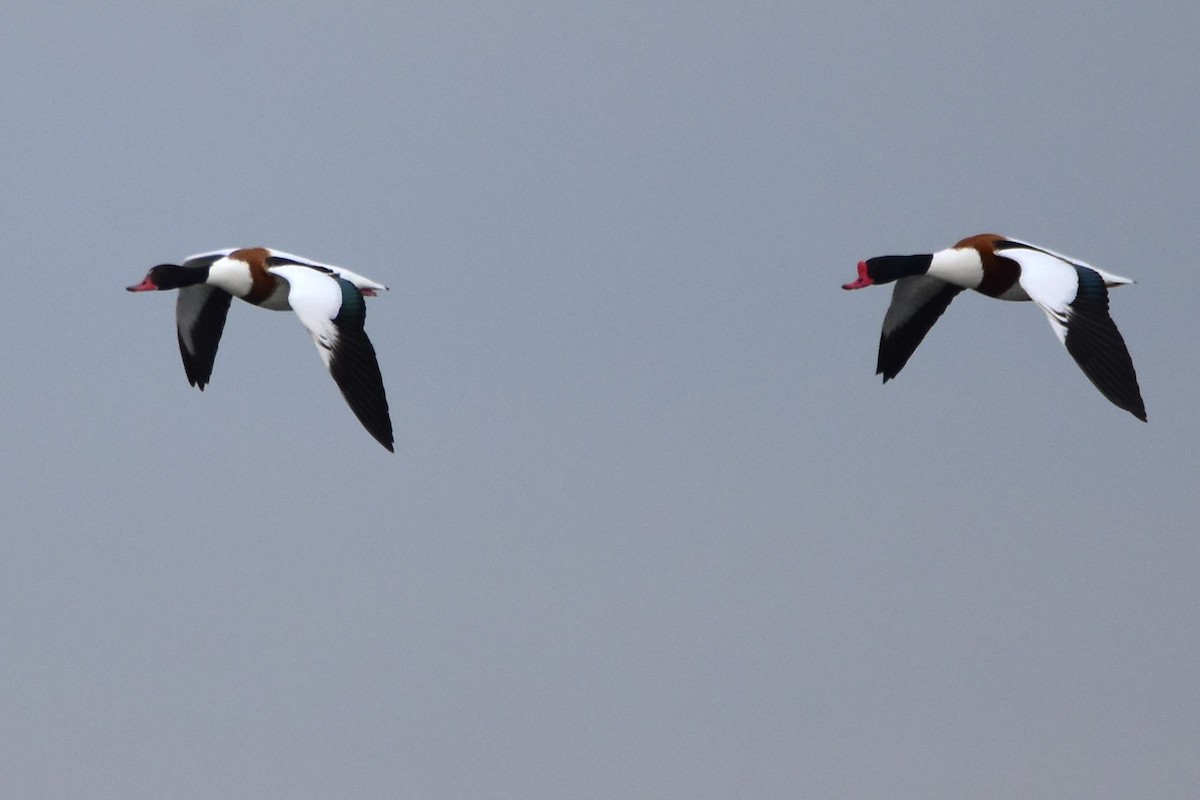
1136,408
888,367
194,376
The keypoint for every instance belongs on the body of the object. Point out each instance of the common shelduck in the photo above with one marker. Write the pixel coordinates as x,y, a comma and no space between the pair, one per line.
327,299
1073,294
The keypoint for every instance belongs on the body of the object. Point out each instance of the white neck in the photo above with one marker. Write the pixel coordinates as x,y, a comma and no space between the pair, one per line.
960,266
231,275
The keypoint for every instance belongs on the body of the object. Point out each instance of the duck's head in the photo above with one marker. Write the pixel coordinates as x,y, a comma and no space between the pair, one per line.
885,269
169,276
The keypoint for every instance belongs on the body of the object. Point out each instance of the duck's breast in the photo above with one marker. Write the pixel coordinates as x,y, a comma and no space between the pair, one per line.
244,274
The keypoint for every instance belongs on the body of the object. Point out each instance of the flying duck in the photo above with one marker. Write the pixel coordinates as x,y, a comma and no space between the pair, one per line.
327,299
1073,294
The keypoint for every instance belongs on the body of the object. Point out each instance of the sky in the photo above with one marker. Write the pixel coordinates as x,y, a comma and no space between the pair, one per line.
653,528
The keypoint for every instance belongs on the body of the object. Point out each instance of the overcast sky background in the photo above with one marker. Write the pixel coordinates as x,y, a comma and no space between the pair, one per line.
653,528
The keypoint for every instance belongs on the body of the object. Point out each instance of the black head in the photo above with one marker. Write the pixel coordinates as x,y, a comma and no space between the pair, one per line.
170,276
885,269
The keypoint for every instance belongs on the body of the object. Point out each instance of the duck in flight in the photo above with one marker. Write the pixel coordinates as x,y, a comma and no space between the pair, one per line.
327,299
1073,294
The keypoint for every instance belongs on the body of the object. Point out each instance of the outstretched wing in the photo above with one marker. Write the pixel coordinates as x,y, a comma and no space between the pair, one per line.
199,320
917,302
200,312
333,311
1075,300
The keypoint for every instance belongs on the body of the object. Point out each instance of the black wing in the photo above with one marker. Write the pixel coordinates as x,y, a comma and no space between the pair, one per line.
917,302
199,320
1097,346
355,367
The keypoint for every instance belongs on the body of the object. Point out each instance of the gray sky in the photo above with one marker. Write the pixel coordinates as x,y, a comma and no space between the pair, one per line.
653,528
